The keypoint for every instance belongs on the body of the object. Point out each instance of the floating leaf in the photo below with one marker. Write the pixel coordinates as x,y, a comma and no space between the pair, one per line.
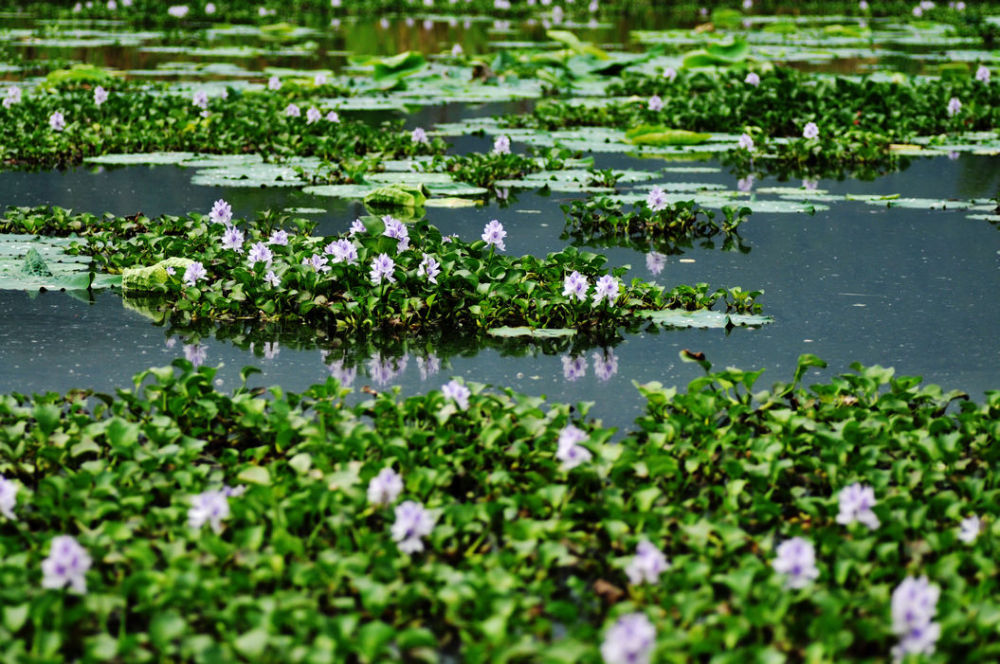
703,318
658,135
533,333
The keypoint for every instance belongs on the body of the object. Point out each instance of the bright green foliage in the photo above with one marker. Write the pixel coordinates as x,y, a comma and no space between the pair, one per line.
153,277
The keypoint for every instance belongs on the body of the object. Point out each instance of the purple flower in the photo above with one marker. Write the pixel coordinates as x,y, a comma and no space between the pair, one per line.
428,366
317,262
574,368
232,238
458,393
178,11
344,375
100,95
382,268
429,268
630,640
332,116
292,111
278,238
397,230
8,497
272,279
670,74
193,273
655,103
385,487
914,603
655,262
419,136
200,99
954,106
383,370
57,121
746,142
273,83
209,507
319,79
856,502
968,530
606,288
259,253
810,131
752,79
13,96
569,450
575,285
647,565
501,145
195,354
222,212
745,184
343,251
313,115
412,523
493,235
797,561
983,74
66,565
605,366
357,226
657,199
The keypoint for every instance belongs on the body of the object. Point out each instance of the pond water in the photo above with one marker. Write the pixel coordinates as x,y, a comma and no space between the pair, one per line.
913,289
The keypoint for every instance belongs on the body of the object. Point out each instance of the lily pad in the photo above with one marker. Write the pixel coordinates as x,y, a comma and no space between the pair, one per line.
143,158
33,263
658,135
532,333
704,319
451,202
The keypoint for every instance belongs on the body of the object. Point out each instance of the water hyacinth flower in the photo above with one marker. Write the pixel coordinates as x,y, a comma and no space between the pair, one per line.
914,603
209,507
272,279
428,366
100,95
209,8
647,564
274,83
195,354
493,235
810,131
66,565
569,449
429,268
292,111
332,117
670,74
606,288
458,393
501,145
8,497
655,103
344,375
317,262
863,5
752,79
656,200
983,74
194,272
232,238
357,226
385,487
12,97
343,251
630,640
606,365
456,50
259,253
200,99
221,213
746,142
745,184
319,79
797,562
382,269
397,230
178,11
954,106
655,262
412,523
313,115
278,239
57,122
419,136
968,529
856,502
574,368
575,285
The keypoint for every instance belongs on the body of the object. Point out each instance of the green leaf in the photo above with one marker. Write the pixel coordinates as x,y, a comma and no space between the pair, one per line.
252,644
255,475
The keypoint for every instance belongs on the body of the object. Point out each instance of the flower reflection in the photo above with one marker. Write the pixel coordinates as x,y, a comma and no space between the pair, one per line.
574,368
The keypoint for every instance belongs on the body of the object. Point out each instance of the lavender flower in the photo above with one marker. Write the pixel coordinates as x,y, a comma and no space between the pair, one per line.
670,74
193,273
428,366
313,115
655,262
746,142
233,239
983,74
100,95
630,640
385,487
574,368
273,83
745,184
657,199
344,375
412,523
222,212
501,145
8,497
569,450
429,268
343,251
456,50
606,288
272,279
200,99
332,116
318,262
914,603
605,366
292,111
655,103
357,226
752,79
856,502
319,79
458,393
575,285
968,530
382,268
13,97
397,230
66,565
210,8
57,122
178,11
954,106
810,131
647,565
209,507
259,253
419,136
195,354
493,235
383,370
278,238
797,561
